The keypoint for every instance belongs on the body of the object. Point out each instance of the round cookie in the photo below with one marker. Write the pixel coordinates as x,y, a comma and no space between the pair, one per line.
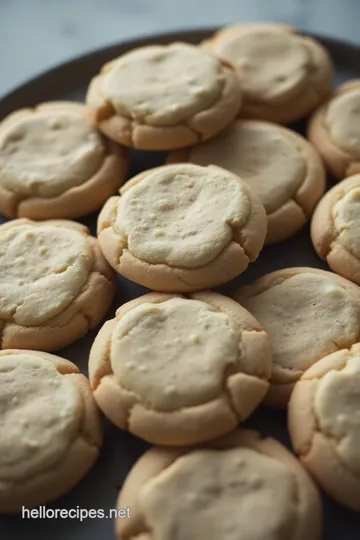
50,428
53,164
183,227
335,228
279,164
161,97
324,423
334,130
176,370
239,486
283,75
55,284
307,313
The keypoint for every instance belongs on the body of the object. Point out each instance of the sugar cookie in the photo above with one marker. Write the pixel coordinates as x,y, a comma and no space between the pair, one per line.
279,164
307,313
334,129
183,227
50,429
283,74
55,284
161,97
240,486
335,228
324,422
177,370
53,164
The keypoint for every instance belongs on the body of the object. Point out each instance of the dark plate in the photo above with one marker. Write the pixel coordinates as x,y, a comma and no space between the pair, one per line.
100,487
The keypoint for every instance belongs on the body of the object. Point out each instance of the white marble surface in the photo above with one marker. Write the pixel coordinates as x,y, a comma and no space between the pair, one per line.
38,34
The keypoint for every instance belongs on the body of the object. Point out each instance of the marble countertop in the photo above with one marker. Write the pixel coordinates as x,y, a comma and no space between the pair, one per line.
36,35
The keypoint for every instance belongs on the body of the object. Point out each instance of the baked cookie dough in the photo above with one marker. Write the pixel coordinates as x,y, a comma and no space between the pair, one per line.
279,164
307,313
53,164
161,97
335,228
240,486
55,284
334,129
324,422
176,370
283,74
181,228
50,428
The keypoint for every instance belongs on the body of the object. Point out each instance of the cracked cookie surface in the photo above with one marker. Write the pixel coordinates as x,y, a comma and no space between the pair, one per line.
54,164
335,228
307,313
277,88
49,272
182,227
161,97
49,425
239,486
324,423
176,370
279,164
334,130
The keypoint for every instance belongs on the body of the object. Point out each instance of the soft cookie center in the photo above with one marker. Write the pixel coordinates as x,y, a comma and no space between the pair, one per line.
47,153
163,86
174,354
217,494
273,66
346,213
39,416
306,317
43,268
343,120
183,217
261,156
337,407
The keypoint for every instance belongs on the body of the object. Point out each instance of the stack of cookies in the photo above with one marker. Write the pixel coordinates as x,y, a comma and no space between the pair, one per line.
182,366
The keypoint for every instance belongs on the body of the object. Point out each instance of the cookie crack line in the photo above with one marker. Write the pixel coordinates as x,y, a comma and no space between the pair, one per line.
90,443
334,441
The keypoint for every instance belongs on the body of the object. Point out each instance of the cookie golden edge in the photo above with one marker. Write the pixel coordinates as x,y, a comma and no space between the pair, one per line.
79,459
83,313
316,450
192,424
279,393
244,248
75,202
325,238
338,161
288,219
201,126
157,459
318,88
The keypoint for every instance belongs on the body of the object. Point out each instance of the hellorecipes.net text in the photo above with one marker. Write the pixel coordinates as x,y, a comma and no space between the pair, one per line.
42,512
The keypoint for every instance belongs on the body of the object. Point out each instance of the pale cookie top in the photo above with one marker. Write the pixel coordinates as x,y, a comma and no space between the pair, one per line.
215,494
182,215
40,413
343,121
273,63
48,152
174,354
307,316
346,216
43,268
337,409
262,155
163,85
